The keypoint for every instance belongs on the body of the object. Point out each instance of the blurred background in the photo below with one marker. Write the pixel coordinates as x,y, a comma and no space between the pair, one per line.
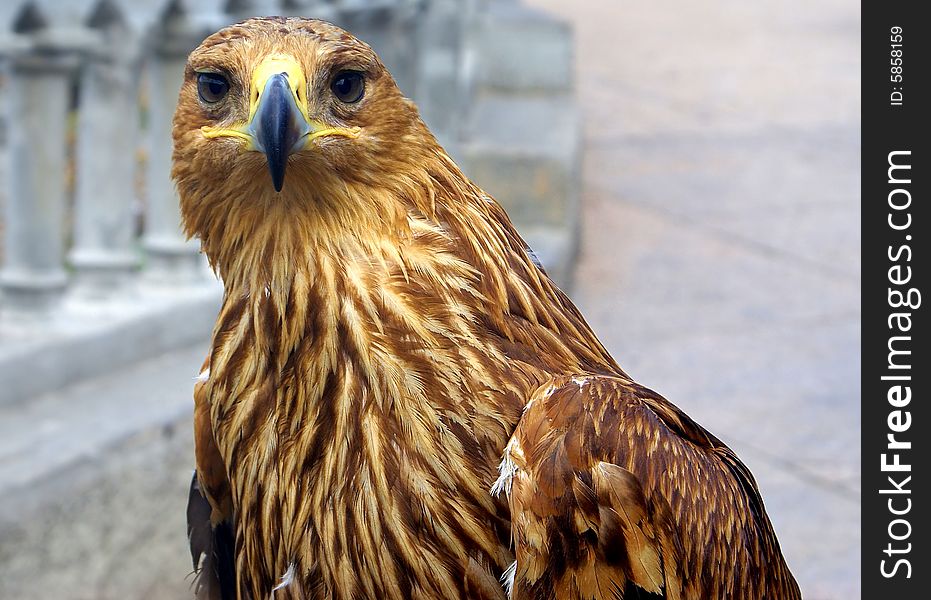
687,170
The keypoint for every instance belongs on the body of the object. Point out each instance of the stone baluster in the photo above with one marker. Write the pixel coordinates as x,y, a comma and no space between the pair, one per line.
40,72
170,257
103,254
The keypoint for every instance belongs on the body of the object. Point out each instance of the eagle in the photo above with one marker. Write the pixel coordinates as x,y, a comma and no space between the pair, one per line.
398,402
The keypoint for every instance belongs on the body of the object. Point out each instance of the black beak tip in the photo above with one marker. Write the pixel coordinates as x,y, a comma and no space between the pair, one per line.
277,159
277,177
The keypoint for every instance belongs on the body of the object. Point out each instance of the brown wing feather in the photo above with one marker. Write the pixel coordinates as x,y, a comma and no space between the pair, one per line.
211,471
616,493
209,513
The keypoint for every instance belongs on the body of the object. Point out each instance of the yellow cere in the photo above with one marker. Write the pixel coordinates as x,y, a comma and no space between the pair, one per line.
273,65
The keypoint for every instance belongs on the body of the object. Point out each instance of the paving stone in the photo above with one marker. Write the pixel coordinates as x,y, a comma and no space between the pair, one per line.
711,180
93,485
815,529
652,278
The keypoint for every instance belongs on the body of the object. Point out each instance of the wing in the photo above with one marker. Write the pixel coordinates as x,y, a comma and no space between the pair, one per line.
209,512
616,493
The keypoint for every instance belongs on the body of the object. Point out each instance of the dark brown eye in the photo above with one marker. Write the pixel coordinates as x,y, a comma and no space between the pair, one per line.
212,87
348,86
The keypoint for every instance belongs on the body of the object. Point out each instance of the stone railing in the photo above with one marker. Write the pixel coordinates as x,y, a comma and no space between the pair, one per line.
94,270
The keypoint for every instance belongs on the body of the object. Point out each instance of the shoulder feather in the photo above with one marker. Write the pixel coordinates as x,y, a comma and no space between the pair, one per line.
616,493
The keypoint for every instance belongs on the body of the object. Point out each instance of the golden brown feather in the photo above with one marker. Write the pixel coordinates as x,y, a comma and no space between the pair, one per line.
382,333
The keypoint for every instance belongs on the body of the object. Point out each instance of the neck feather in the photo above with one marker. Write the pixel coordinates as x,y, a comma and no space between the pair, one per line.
437,274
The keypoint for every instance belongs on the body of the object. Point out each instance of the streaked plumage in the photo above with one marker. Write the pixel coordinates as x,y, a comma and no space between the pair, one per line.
386,343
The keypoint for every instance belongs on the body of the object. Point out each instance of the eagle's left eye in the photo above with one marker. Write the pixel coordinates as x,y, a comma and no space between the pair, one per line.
348,86
212,87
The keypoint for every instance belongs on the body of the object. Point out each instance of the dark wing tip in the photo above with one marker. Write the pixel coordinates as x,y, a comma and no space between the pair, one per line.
212,549
199,532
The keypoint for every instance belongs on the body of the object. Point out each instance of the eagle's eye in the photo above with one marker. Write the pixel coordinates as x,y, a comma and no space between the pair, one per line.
212,87
348,86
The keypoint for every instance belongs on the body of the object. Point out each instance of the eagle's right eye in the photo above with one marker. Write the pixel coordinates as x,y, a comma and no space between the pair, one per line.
212,87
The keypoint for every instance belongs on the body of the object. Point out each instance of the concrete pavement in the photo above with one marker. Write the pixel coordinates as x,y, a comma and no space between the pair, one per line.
93,486
720,245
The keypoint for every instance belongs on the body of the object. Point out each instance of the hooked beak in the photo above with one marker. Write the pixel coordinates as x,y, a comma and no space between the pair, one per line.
279,124
278,127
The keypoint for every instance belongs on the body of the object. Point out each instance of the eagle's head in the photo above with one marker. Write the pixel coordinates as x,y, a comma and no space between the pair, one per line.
291,122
